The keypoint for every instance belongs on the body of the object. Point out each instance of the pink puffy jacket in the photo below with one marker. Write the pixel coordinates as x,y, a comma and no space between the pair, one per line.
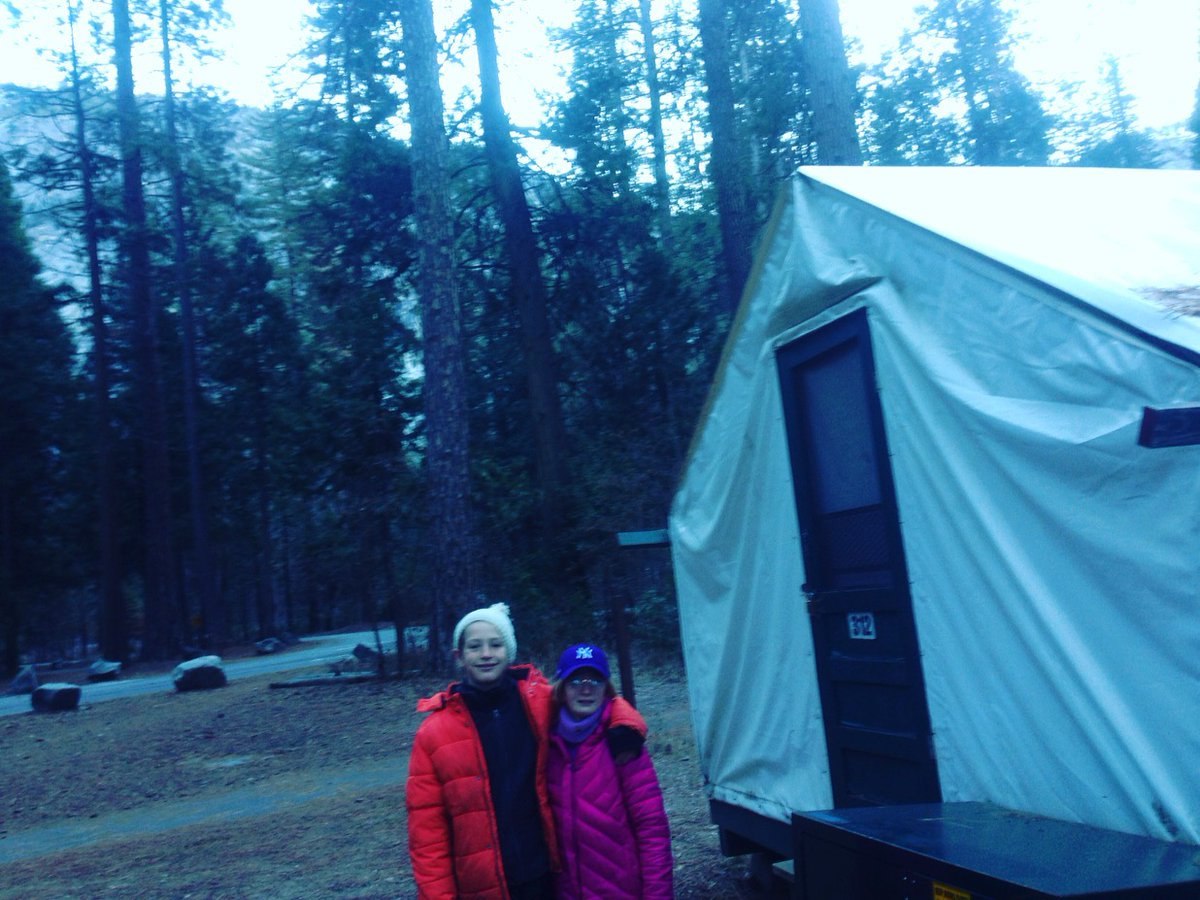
613,835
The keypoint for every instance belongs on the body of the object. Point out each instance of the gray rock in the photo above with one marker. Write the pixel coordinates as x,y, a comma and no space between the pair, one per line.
104,670
56,696
365,653
25,682
269,645
199,674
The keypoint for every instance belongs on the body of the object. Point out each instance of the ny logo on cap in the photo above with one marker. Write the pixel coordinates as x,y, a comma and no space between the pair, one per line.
583,652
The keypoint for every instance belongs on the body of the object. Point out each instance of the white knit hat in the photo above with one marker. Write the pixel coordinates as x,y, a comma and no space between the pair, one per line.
496,614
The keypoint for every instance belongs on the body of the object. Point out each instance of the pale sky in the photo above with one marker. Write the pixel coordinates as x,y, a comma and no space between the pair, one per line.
1157,43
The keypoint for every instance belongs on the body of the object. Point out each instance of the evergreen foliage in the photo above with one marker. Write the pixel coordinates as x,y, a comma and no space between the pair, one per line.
308,271
40,513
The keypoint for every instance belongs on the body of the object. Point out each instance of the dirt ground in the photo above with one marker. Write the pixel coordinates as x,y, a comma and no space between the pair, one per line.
250,791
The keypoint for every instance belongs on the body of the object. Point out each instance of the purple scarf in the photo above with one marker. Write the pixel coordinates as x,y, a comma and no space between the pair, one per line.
575,731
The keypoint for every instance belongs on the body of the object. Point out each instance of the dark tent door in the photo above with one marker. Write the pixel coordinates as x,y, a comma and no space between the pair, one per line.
868,661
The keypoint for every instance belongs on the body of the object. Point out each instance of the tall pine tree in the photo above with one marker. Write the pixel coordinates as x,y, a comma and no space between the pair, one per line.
453,557
35,406
160,625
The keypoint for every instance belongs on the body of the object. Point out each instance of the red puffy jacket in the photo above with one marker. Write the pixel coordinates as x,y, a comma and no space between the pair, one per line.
452,836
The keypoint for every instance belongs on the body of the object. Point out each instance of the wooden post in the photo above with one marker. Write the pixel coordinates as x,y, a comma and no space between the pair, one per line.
616,600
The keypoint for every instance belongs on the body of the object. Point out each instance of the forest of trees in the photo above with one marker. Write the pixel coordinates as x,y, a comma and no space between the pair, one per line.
359,357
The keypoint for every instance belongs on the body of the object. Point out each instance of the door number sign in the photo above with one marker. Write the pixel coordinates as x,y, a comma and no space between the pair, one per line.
862,626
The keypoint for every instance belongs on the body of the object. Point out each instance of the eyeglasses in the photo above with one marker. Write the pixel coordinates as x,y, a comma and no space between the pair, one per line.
584,682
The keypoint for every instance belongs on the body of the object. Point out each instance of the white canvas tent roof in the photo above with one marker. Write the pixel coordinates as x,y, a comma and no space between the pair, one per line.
1021,320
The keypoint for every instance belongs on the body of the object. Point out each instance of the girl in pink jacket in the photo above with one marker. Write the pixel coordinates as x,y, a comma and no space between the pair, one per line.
613,835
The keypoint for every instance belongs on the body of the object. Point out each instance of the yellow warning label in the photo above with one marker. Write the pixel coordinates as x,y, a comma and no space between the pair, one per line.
945,892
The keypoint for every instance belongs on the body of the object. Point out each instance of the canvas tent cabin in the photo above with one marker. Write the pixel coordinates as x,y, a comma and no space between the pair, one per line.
938,534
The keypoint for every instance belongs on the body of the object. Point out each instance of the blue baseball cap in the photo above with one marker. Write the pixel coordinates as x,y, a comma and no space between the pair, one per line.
581,656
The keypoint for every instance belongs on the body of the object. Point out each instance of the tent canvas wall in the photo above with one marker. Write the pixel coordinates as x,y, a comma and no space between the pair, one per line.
937,534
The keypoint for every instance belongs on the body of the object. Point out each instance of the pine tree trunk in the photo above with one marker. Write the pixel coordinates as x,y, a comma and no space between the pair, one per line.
266,601
662,183
530,294
733,204
10,609
617,119
453,549
210,613
830,84
160,608
113,630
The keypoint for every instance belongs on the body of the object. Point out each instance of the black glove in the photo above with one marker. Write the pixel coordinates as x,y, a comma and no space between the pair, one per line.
624,743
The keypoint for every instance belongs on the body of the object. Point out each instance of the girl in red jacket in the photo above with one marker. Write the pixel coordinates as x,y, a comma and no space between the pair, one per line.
479,819
613,834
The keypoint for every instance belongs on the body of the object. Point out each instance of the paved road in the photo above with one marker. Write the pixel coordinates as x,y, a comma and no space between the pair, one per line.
316,649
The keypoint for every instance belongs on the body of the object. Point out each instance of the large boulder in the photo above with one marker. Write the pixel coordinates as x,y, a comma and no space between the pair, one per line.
55,696
361,659
103,670
25,681
199,674
366,654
